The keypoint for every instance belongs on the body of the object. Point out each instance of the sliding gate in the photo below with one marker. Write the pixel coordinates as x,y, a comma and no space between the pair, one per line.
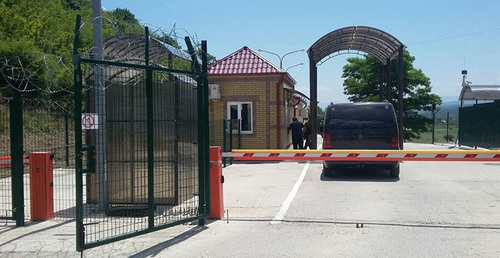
142,147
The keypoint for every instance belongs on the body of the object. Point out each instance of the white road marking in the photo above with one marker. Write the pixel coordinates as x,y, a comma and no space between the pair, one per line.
286,204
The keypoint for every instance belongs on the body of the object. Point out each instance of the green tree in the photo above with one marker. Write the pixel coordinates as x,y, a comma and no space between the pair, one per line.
320,112
320,118
123,22
35,44
361,84
77,4
36,40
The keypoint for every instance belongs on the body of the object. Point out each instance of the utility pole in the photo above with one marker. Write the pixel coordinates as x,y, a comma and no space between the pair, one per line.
100,107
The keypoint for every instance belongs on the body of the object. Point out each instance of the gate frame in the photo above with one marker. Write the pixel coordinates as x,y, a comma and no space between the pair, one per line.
203,140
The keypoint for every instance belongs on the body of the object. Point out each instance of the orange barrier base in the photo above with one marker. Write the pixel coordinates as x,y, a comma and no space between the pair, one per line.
216,181
41,187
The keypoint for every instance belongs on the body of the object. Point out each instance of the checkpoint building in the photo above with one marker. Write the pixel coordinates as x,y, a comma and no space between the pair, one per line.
257,97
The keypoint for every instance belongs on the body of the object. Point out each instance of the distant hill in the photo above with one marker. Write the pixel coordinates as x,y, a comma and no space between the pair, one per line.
450,105
445,108
446,99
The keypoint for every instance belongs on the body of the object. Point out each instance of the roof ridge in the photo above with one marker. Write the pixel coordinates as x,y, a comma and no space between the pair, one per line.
265,59
244,61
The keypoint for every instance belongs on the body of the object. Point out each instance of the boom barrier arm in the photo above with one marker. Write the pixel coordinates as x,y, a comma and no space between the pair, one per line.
365,155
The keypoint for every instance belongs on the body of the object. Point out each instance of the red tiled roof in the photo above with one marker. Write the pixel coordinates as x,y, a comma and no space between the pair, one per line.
243,61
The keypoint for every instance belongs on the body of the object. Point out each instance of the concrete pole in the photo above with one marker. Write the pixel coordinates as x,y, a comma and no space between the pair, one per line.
100,107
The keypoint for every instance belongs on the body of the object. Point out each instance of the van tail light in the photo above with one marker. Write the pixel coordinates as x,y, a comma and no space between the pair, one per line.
395,140
327,143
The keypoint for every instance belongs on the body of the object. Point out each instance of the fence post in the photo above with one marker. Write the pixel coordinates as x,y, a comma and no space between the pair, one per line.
230,134
433,122
150,134
447,126
77,80
66,135
239,133
224,135
16,150
206,145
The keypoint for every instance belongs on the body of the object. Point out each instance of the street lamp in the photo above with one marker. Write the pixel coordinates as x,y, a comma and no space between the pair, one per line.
283,56
293,66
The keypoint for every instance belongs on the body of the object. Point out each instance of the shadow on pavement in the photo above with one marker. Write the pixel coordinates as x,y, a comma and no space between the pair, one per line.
157,249
307,221
361,175
36,231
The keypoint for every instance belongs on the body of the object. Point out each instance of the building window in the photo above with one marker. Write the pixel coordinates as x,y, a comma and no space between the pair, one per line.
240,114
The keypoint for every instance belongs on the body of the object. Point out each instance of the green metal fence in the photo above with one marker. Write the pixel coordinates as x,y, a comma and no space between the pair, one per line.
227,134
6,201
47,126
232,138
479,125
142,144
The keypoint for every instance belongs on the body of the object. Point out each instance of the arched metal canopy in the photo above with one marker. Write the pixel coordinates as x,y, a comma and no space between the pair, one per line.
130,47
356,39
480,92
301,97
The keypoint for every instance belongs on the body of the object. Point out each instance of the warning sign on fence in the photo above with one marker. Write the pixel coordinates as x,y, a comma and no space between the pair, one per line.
89,121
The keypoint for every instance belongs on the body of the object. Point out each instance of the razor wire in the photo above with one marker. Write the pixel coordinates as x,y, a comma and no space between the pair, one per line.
52,74
36,72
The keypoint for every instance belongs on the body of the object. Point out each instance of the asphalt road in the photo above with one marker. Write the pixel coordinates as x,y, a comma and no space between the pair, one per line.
289,209
435,209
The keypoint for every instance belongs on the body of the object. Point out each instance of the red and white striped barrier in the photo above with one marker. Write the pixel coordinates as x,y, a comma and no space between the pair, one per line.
5,161
365,155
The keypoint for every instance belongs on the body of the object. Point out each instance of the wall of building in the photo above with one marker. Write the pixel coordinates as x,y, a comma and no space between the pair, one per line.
261,91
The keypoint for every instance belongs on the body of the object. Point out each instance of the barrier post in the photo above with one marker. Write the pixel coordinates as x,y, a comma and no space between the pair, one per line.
41,186
216,181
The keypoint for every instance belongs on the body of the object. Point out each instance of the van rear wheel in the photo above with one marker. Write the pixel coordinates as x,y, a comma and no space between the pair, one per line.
327,172
394,172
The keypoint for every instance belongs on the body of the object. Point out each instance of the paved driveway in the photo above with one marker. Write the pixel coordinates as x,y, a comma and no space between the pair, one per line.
289,209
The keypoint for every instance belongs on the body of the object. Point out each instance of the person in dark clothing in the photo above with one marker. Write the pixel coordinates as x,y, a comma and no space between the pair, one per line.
296,128
307,134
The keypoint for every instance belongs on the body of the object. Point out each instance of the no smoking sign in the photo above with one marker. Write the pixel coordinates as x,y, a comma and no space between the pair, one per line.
89,121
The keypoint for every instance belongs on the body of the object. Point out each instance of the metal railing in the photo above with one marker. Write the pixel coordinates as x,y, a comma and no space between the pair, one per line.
47,127
479,125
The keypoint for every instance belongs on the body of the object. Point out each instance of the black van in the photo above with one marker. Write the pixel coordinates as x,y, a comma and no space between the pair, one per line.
361,126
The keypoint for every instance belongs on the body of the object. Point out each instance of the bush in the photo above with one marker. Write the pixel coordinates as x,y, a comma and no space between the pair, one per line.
449,138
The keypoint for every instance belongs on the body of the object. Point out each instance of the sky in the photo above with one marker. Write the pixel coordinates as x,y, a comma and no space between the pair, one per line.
444,36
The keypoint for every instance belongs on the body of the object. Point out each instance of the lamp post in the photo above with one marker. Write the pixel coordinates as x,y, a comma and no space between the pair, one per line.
283,56
293,66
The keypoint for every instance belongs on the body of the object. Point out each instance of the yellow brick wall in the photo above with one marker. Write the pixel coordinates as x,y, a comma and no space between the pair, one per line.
261,91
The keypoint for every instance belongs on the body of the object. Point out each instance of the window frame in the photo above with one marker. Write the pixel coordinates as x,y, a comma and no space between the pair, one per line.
240,104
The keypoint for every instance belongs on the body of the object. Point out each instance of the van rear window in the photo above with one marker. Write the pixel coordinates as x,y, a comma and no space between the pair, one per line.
361,117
